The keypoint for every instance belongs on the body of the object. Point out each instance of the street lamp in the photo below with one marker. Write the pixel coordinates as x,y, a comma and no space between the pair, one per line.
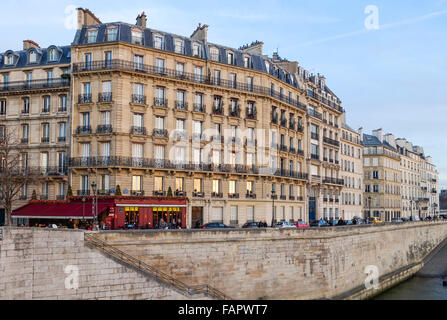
94,204
273,195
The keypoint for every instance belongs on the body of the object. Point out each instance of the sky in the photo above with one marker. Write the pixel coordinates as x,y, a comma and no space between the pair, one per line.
389,74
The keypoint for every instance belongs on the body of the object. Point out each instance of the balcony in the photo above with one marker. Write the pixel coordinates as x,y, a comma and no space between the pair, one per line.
138,131
283,197
199,137
104,192
160,102
291,198
233,196
84,130
62,109
335,181
198,107
137,193
45,110
218,110
300,152
235,112
139,99
250,114
24,141
104,129
250,195
274,117
105,97
283,122
283,148
331,141
160,133
196,194
315,114
180,194
45,140
85,98
61,139
315,136
315,156
216,195
34,84
159,193
292,150
180,135
181,105
60,197
292,125
83,193
251,142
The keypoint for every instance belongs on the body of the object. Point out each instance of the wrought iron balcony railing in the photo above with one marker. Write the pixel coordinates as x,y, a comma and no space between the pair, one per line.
104,129
139,99
138,131
105,97
34,84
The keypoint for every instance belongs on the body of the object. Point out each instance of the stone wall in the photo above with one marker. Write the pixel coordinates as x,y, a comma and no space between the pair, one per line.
33,262
286,264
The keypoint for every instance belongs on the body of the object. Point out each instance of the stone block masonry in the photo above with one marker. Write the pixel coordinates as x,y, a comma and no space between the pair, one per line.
33,263
286,264
243,264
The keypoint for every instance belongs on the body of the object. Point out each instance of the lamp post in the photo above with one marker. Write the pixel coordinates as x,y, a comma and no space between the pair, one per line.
273,195
94,204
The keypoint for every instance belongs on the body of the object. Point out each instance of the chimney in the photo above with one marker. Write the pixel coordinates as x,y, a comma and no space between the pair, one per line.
361,134
142,20
29,44
378,134
254,48
86,17
389,138
201,33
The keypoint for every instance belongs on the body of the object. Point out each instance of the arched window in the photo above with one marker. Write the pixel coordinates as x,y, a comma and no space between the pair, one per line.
32,57
52,54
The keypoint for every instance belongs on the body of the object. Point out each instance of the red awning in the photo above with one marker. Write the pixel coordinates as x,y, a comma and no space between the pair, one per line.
74,210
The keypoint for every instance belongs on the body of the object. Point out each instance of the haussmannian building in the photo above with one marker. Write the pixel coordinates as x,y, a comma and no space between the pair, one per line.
351,156
225,127
382,176
34,109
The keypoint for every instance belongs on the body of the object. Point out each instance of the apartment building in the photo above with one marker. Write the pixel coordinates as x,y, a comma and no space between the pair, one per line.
351,157
244,137
430,183
382,176
34,107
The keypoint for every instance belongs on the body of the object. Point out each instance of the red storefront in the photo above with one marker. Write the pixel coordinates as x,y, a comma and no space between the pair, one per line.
115,212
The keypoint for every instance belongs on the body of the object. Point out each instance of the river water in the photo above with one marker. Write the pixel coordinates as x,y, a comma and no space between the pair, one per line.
416,289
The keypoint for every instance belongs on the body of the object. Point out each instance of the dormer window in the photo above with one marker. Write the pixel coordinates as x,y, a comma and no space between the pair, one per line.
137,37
112,34
32,57
214,54
196,50
158,42
91,36
179,46
247,62
9,59
52,55
230,58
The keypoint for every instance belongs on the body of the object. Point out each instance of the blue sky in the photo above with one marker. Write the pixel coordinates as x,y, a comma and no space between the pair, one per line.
391,78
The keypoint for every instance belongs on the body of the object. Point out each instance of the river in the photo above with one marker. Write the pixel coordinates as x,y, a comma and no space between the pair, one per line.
416,288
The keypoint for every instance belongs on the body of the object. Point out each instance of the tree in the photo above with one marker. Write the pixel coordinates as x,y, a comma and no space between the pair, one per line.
12,175
170,192
118,191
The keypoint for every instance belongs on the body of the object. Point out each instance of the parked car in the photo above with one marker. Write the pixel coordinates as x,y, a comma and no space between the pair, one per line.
216,225
428,218
319,223
251,225
397,220
285,225
374,220
333,222
302,225
341,222
415,218
357,220
405,219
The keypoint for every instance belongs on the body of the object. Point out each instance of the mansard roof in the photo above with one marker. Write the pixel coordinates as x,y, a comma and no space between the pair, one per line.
64,57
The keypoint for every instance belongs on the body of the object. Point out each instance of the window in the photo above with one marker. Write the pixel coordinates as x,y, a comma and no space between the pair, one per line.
138,62
216,186
137,37
180,69
46,104
250,214
2,107
137,184
197,50
91,36
232,187
62,130
179,46
10,59
158,184
247,62
216,77
179,184
63,103
230,58
214,54
160,123
198,74
45,132
233,80
87,89
198,185
112,34
158,42
250,187
159,152
32,57
25,132
233,214
105,150
160,66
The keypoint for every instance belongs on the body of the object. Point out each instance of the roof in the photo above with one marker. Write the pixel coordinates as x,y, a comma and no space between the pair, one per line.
370,140
124,34
21,60
60,210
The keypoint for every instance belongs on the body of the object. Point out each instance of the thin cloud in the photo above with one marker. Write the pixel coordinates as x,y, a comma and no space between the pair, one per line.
382,27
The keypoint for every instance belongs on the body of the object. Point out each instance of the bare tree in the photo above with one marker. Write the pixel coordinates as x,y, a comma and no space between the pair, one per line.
13,176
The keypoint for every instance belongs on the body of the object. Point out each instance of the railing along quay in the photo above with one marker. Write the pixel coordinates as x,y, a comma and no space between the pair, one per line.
142,266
